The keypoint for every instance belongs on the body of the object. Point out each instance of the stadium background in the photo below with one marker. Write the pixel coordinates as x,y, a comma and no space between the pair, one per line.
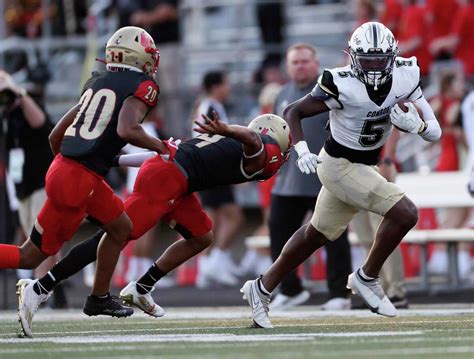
52,45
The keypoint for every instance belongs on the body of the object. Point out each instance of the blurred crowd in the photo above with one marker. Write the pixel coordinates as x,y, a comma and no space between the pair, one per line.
440,33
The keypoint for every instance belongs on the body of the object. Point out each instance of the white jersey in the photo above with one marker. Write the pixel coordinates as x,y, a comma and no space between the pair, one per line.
356,121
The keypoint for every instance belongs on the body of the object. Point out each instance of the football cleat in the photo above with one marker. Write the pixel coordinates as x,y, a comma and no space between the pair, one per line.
283,301
338,303
145,302
259,302
28,303
372,294
106,306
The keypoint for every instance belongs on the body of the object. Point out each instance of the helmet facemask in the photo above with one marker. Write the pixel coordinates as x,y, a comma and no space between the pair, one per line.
372,68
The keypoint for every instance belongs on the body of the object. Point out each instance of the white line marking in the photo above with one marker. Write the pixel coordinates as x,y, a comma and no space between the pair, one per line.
205,338
222,313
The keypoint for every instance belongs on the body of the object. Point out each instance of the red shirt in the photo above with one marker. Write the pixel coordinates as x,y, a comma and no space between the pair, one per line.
463,28
414,24
391,15
448,159
441,16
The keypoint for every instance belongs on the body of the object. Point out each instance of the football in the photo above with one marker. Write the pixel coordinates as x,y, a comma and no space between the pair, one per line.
404,108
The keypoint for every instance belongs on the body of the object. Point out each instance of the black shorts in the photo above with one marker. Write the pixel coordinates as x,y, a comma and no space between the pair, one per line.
217,197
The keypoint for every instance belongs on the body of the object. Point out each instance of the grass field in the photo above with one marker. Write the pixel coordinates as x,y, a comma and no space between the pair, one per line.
225,333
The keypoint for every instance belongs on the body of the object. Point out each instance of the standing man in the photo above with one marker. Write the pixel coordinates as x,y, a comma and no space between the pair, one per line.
362,99
217,266
294,193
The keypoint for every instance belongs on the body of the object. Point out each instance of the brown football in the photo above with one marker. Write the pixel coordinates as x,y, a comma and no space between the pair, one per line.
404,108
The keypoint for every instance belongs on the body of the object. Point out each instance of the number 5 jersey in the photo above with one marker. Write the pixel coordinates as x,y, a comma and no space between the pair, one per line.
360,115
92,138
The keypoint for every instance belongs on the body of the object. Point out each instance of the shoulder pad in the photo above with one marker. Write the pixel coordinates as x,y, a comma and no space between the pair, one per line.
326,83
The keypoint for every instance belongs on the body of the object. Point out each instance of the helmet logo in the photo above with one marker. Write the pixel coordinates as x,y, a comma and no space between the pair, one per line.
117,41
145,40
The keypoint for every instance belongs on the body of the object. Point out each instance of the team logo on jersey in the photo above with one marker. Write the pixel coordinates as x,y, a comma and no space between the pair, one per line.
378,113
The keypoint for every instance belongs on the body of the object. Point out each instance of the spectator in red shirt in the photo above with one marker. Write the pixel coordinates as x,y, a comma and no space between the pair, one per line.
413,35
440,14
391,15
461,39
446,107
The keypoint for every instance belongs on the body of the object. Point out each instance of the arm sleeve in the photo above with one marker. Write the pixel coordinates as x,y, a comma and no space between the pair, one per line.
133,160
432,130
147,91
327,91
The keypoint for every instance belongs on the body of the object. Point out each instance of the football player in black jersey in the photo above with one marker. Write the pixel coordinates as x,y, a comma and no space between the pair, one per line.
85,142
164,190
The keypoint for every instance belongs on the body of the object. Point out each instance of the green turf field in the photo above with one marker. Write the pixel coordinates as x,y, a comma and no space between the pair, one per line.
225,333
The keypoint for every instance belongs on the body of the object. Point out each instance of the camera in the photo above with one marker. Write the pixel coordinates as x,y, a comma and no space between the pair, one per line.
7,98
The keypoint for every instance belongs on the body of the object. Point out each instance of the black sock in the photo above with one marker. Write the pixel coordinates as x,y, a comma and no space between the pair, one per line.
78,257
147,281
45,284
100,298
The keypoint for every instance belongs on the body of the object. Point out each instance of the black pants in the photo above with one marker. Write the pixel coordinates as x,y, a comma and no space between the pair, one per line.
286,216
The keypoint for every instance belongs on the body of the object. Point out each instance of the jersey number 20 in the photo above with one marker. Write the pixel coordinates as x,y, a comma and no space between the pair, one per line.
94,115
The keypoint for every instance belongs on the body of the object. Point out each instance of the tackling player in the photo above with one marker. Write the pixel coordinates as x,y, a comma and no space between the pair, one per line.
85,141
164,190
362,99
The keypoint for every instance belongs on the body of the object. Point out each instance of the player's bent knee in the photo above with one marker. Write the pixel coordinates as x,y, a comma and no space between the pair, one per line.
202,242
404,212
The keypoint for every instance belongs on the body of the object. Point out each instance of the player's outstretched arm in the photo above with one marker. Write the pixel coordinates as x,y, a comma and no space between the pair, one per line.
294,113
56,136
129,129
250,140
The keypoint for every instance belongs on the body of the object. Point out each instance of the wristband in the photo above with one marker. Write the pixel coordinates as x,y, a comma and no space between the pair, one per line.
301,148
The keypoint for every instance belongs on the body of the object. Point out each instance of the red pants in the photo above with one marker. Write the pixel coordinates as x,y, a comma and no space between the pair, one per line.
73,191
160,193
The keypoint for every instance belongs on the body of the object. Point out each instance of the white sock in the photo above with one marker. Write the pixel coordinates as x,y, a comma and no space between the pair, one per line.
262,288
363,275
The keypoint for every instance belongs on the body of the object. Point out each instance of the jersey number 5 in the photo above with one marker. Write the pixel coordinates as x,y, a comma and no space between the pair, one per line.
94,115
371,134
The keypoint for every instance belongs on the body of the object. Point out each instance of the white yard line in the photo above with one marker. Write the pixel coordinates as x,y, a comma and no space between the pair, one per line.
204,313
203,338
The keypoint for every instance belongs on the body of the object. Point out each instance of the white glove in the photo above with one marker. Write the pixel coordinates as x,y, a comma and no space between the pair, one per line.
408,121
307,161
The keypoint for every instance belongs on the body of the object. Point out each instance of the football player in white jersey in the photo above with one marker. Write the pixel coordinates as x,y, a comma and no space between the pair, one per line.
362,99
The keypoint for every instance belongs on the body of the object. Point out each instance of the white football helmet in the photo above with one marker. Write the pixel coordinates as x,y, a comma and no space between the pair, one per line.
373,49
132,48
275,127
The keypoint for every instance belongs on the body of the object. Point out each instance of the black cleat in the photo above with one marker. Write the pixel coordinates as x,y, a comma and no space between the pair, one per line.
106,306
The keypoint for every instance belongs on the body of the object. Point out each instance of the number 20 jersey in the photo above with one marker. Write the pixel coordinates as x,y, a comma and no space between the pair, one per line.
356,121
92,138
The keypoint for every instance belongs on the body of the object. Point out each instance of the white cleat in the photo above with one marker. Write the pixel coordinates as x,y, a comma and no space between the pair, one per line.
145,302
372,293
28,303
258,302
283,302
337,303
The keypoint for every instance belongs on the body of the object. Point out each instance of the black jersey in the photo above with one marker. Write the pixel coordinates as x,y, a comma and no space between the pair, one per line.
211,161
92,138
